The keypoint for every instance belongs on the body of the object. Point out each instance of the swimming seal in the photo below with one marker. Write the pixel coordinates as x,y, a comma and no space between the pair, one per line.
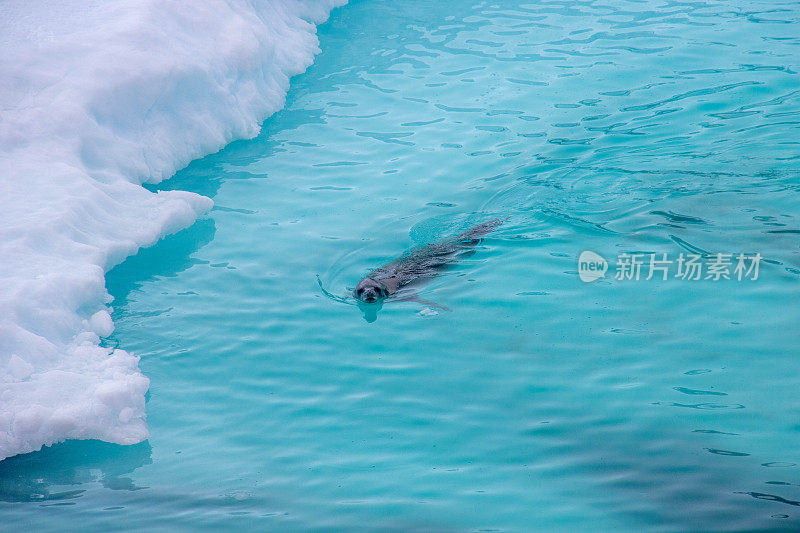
419,264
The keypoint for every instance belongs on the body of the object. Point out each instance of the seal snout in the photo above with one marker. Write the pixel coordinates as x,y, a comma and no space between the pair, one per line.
370,291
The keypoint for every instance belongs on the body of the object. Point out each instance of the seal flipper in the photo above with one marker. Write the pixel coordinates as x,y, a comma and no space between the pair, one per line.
473,234
414,297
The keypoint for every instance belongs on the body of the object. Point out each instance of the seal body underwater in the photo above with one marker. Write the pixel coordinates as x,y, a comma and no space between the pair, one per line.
419,264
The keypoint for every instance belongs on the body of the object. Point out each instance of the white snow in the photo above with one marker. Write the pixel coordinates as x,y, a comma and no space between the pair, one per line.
96,98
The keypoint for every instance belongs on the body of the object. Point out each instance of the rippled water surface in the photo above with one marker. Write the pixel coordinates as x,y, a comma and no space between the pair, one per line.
539,402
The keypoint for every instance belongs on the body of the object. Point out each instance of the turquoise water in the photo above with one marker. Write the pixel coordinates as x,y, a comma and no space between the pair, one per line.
539,402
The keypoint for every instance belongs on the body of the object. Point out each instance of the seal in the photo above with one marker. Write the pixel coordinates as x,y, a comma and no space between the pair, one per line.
420,264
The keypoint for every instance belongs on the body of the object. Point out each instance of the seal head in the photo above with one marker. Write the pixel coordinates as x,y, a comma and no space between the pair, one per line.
370,290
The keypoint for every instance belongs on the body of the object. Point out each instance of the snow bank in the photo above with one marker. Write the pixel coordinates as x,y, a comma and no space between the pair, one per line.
96,98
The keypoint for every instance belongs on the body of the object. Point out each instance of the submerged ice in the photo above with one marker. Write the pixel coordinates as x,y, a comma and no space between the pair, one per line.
98,98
